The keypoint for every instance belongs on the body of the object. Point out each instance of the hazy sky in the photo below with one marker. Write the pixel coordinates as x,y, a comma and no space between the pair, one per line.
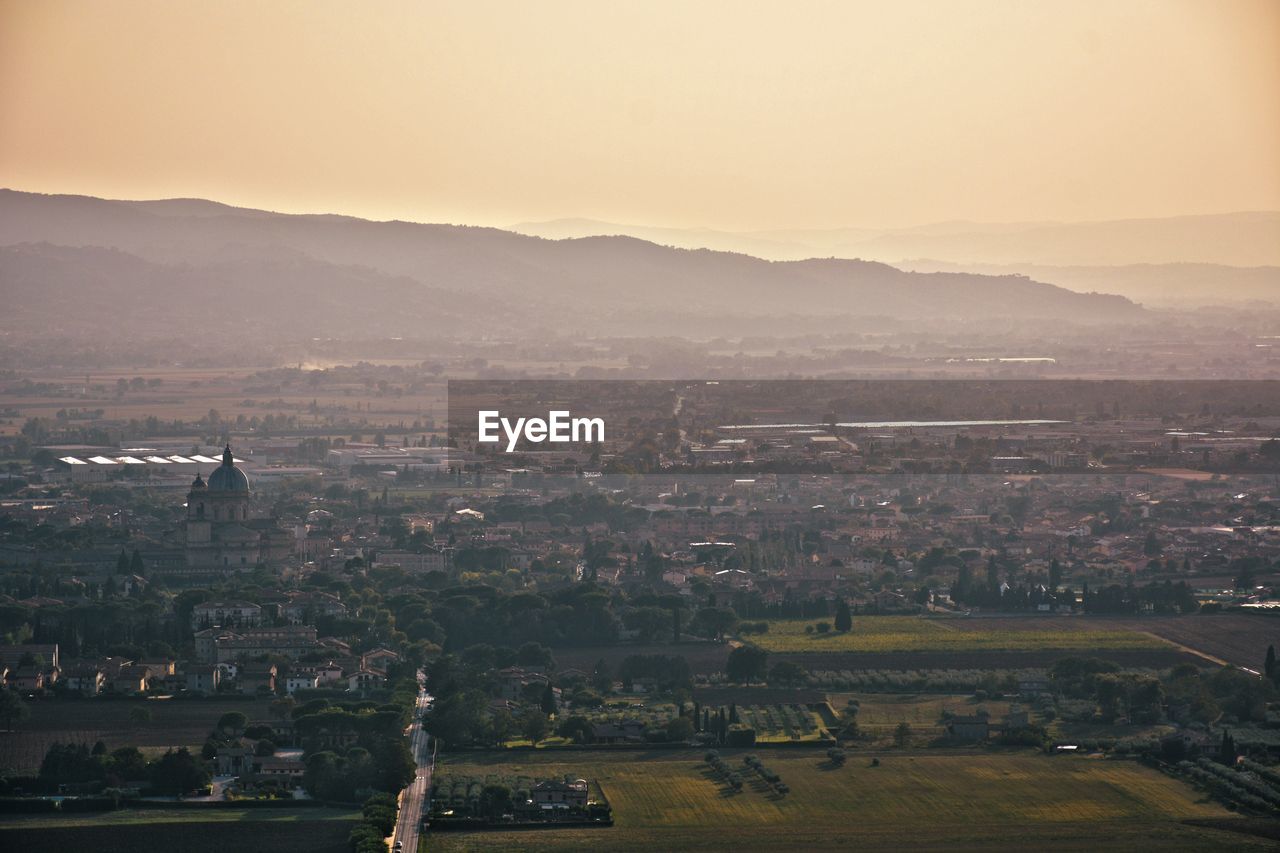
731,115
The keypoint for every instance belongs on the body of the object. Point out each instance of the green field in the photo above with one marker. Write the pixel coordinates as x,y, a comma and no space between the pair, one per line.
920,634
966,801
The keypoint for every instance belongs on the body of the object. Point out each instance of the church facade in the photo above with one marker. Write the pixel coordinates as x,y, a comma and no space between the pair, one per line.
222,537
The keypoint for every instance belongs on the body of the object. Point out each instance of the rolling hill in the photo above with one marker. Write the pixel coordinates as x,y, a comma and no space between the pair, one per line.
170,261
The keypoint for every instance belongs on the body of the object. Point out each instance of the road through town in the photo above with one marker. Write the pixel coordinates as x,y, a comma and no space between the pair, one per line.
409,821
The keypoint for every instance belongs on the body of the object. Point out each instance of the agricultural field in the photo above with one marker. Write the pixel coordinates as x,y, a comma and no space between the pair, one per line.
174,723
781,722
772,722
673,801
189,394
941,681
879,714
655,714
987,660
1238,639
203,831
879,634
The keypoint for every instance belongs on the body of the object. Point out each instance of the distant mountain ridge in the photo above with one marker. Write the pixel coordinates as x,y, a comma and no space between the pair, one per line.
305,274
1246,239
1171,285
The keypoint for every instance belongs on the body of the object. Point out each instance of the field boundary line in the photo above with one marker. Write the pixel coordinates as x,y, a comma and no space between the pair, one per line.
1180,647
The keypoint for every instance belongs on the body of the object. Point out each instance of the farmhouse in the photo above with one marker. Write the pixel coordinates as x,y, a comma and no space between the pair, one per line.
26,678
234,759
364,680
300,681
204,679
514,681
225,614
288,770
550,793
628,731
257,677
378,660
85,678
130,679
43,655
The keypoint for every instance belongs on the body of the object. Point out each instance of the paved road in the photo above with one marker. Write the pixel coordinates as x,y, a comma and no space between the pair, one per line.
411,799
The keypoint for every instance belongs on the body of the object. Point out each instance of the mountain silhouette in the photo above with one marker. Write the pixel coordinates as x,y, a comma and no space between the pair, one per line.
71,257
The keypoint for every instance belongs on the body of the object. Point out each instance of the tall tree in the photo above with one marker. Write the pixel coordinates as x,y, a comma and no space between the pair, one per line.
1227,749
12,708
746,664
717,620
844,619
534,725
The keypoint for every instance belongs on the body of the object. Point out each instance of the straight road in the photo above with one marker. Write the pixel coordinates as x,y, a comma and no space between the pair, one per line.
409,821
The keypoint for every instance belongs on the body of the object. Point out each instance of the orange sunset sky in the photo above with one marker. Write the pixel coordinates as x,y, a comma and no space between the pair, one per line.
735,115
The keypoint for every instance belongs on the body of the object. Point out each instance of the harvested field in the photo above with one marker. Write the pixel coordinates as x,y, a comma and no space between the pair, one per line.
880,713
1239,639
914,800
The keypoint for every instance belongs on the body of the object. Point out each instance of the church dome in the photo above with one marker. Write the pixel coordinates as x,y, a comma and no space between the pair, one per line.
227,477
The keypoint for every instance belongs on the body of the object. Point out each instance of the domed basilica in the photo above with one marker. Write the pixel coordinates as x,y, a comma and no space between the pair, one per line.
222,538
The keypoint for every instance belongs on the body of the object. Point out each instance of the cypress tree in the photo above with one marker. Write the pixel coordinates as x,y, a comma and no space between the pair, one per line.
844,619
1227,750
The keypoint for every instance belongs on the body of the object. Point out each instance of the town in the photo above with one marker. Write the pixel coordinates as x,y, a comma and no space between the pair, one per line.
646,427
240,614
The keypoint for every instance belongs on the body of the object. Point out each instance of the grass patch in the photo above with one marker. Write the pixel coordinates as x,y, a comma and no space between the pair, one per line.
919,634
